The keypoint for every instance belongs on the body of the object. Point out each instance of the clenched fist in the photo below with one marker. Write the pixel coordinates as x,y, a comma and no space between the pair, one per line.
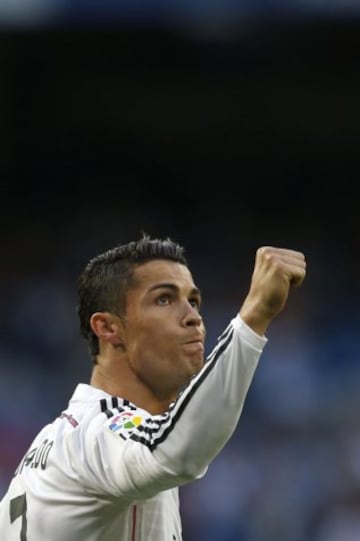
276,270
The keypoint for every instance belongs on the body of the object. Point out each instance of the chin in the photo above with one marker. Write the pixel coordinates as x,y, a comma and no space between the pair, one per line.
197,365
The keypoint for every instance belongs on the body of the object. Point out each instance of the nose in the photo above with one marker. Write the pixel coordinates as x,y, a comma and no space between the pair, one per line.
192,316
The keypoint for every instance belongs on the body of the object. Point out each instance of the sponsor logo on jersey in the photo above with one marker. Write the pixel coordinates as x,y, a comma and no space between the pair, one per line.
125,422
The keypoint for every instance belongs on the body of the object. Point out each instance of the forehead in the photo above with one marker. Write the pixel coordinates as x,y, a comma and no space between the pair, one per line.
162,271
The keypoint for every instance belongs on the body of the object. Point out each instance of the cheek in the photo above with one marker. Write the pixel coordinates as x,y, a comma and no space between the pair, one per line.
153,356
146,344
151,331
150,339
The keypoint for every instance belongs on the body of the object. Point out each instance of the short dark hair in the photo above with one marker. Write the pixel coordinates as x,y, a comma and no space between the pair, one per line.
104,282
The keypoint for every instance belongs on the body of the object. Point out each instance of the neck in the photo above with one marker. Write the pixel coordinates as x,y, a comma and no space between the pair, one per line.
129,388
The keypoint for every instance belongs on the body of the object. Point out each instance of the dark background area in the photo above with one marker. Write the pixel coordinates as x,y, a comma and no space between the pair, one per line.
258,132
224,141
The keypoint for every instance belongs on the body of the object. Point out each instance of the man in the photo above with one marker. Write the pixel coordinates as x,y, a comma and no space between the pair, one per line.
155,413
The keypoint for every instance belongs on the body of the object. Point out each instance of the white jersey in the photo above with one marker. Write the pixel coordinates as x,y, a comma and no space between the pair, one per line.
105,470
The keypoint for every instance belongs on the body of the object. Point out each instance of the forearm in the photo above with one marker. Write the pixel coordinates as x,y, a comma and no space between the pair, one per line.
255,318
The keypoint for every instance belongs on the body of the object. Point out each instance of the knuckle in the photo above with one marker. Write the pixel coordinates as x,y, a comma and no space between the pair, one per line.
264,251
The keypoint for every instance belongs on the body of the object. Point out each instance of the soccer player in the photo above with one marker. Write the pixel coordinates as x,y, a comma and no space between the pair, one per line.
156,412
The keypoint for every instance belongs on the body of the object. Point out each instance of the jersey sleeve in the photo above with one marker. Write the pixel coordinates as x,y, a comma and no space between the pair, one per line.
132,455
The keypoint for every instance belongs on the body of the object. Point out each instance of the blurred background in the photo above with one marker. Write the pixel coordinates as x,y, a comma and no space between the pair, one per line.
225,125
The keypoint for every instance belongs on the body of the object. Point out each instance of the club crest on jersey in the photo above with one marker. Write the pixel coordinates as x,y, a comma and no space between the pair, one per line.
124,423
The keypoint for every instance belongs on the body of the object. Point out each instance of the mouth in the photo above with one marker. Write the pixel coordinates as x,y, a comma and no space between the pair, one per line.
195,346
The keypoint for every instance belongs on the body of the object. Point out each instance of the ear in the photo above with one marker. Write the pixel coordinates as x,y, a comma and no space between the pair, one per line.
107,328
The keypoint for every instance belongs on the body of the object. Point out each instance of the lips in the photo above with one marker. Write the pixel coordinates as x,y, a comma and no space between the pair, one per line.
195,346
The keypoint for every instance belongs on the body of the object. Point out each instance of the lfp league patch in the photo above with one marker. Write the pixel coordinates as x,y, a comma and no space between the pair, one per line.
123,424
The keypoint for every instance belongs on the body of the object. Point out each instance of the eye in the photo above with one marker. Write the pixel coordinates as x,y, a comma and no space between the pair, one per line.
195,303
164,299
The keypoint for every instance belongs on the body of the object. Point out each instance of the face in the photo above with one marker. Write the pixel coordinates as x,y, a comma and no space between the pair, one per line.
163,331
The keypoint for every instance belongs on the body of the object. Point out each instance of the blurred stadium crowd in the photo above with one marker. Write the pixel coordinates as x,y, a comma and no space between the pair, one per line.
223,149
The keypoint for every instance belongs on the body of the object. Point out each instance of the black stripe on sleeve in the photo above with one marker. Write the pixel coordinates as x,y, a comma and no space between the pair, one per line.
187,397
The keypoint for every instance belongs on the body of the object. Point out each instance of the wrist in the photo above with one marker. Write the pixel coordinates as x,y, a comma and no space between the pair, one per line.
256,318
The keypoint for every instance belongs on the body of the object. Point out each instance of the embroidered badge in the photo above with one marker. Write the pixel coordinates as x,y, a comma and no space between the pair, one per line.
125,422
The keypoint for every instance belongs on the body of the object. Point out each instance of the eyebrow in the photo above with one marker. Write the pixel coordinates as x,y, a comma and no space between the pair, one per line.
166,285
